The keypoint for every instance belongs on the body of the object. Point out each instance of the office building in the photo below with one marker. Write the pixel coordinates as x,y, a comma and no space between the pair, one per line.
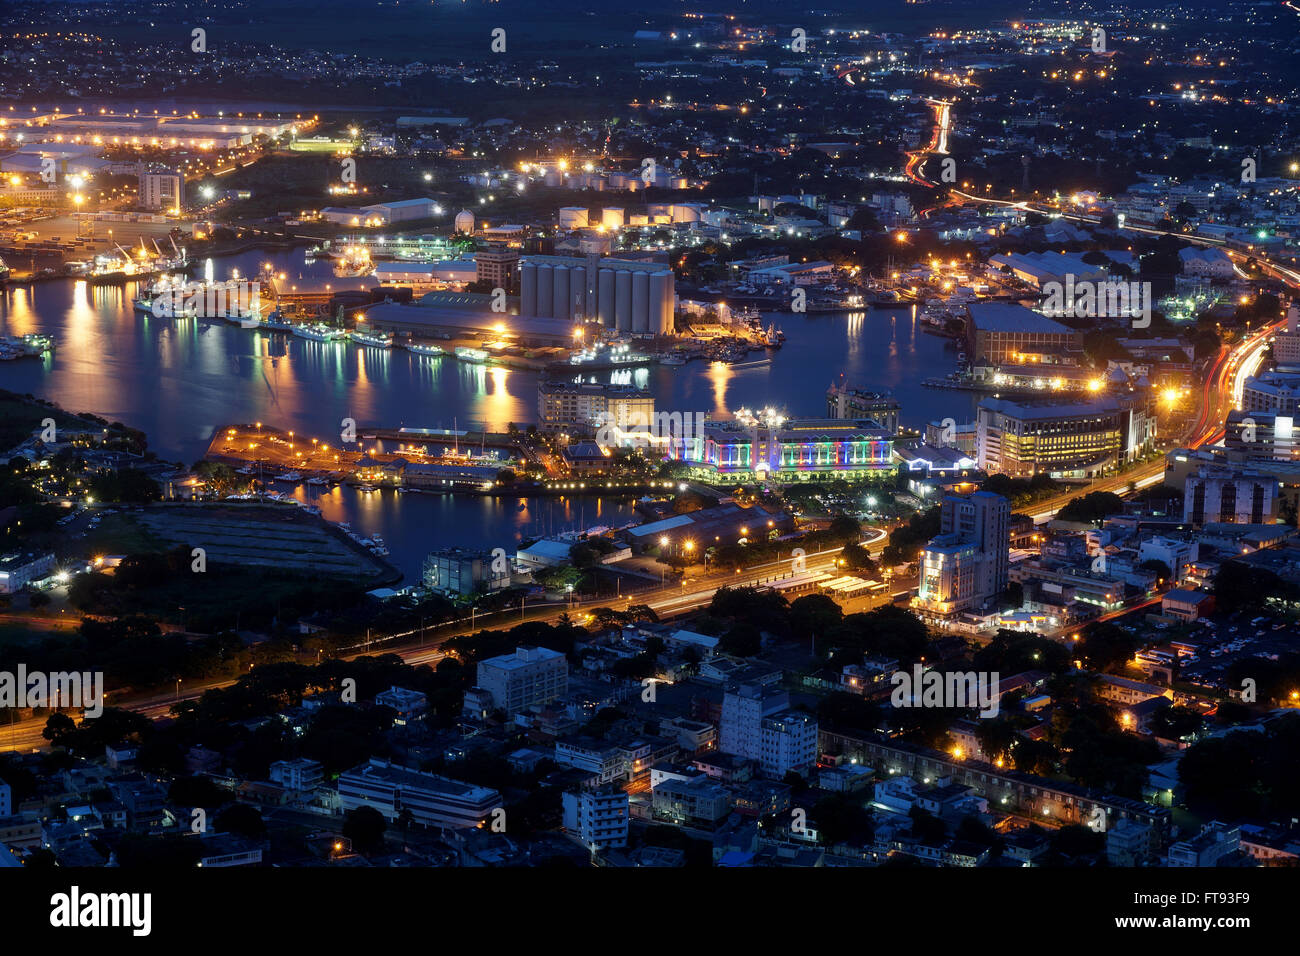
498,267
599,817
966,565
1217,495
1073,440
580,408
629,296
431,800
530,676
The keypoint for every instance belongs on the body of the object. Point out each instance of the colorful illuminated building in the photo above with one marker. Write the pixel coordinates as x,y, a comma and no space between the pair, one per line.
767,446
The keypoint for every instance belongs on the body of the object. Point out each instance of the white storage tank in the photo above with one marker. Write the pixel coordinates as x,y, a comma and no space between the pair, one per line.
611,217
465,222
573,217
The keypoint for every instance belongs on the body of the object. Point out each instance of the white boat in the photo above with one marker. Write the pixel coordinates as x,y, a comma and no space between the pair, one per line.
379,340
290,476
671,360
319,332
318,482
466,354
430,350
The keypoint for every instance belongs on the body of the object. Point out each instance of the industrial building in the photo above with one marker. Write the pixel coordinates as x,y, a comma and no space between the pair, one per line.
632,297
1003,333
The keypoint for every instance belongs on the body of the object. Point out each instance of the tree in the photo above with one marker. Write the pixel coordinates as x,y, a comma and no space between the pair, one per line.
242,819
365,827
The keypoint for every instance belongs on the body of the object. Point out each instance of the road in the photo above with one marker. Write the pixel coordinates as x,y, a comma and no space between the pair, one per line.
666,601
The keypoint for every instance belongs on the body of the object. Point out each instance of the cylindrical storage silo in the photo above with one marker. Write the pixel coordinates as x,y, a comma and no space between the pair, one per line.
661,303
640,302
528,288
560,286
605,297
623,300
545,290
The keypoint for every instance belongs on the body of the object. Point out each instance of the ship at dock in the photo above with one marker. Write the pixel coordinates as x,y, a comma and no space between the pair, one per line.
319,332
378,340
110,269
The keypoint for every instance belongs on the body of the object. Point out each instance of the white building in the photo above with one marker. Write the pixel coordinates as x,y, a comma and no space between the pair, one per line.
787,742
409,704
531,675
758,725
1174,553
19,570
302,775
599,818
431,800
1206,261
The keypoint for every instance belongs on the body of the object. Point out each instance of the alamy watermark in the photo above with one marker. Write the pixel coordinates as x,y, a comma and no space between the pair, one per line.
1098,299
637,429
61,690
956,690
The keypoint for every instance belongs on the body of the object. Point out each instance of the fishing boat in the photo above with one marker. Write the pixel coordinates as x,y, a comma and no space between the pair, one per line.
467,354
672,360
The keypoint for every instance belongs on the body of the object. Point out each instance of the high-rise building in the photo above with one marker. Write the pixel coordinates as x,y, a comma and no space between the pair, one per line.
1286,343
162,190
966,565
529,676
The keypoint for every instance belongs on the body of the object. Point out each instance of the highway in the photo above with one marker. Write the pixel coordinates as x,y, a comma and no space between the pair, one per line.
666,600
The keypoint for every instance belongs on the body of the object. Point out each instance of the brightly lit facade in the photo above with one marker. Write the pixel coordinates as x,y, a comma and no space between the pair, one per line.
765,445
1062,440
